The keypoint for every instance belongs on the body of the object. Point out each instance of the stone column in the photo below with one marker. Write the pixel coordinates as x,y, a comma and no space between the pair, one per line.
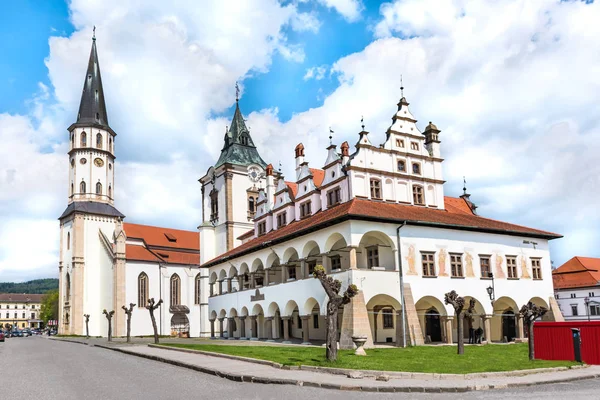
447,329
212,329
254,327
396,263
305,320
286,329
229,285
243,328
220,287
212,289
252,282
283,273
230,328
519,337
221,334
303,270
352,257
325,262
269,329
266,279
487,329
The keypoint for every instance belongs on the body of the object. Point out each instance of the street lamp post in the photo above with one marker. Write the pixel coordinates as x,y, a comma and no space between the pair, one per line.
587,306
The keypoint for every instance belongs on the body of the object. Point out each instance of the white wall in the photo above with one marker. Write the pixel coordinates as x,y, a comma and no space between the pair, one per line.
567,298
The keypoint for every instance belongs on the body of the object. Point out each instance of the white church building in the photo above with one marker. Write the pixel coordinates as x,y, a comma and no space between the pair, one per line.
375,215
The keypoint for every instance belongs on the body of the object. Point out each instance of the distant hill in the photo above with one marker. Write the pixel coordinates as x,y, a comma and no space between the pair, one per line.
37,286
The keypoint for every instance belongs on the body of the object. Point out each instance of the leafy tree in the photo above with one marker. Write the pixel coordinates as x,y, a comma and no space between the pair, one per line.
530,313
332,289
49,309
37,286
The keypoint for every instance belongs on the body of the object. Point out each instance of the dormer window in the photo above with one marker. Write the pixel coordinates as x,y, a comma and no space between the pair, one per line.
400,143
281,220
244,140
375,189
416,168
401,165
418,197
414,146
262,228
334,197
305,209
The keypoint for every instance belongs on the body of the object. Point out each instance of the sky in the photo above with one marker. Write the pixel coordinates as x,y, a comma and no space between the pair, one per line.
513,85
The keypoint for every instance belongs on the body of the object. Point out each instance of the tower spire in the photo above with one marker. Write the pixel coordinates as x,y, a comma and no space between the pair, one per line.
92,109
94,34
464,186
401,87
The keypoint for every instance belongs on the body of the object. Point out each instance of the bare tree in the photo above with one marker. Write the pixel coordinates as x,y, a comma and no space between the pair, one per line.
109,316
458,303
332,289
87,327
530,313
151,307
128,311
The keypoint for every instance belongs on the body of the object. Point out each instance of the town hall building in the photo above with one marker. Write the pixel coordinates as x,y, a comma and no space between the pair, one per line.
374,214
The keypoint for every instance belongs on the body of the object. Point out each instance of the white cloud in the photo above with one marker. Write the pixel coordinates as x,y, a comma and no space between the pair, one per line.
316,73
305,22
349,9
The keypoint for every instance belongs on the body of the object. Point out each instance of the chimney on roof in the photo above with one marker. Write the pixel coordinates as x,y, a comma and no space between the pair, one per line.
270,192
299,158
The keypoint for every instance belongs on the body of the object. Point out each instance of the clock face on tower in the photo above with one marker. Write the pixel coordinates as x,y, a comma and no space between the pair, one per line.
98,162
254,173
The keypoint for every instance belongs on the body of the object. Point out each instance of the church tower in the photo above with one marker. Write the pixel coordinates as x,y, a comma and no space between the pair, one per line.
230,190
86,268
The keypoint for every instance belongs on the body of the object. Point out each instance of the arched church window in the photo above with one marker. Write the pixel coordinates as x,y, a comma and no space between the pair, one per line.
109,191
99,141
98,188
214,205
72,189
72,140
68,240
110,147
142,289
175,290
68,286
197,289
82,187
83,139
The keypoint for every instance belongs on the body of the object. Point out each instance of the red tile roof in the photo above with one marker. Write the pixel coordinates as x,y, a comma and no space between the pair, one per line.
577,272
318,176
457,205
246,235
455,217
293,187
21,298
140,253
157,236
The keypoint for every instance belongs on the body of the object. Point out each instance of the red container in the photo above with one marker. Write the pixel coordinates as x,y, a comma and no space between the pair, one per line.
554,341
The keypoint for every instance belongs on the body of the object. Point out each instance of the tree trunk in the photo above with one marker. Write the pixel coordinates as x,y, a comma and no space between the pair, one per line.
530,329
332,331
110,329
461,336
129,327
87,329
154,326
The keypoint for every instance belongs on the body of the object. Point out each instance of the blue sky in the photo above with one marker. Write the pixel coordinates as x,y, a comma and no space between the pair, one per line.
516,119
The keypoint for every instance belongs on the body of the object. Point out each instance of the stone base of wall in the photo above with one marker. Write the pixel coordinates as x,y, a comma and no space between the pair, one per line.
413,328
555,310
355,322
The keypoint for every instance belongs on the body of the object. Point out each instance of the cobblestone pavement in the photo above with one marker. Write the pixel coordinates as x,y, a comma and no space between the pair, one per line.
38,367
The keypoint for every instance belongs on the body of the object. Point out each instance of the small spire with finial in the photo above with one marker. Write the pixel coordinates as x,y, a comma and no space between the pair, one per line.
237,92
401,87
464,185
330,136
94,34
362,122
279,169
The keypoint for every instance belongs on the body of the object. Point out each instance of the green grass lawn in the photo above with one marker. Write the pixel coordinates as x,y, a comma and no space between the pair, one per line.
439,359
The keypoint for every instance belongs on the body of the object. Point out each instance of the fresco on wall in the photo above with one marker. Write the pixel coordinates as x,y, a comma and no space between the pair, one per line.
524,271
411,258
442,263
469,262
499,273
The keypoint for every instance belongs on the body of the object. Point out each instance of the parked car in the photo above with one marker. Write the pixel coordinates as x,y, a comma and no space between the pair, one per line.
1,336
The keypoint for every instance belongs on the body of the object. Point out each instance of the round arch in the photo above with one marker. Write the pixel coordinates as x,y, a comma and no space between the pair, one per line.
222,275
213,277
222,314
376,237
272,309
233,272
290,254
309,306
243,312
272,259
335,242
425,303
232,313
311,249
213,315
257,264
289,308
257,310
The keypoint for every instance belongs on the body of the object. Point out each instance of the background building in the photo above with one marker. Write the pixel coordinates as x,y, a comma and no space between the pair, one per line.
577,288
21,310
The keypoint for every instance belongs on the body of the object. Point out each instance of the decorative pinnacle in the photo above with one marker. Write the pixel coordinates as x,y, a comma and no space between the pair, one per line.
237,92
464,185
279,169
94,34
362,122
330,135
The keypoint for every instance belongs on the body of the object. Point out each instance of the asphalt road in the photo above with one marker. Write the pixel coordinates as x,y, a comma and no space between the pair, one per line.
37,367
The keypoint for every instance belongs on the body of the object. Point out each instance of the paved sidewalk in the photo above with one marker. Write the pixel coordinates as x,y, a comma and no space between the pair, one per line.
243,371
